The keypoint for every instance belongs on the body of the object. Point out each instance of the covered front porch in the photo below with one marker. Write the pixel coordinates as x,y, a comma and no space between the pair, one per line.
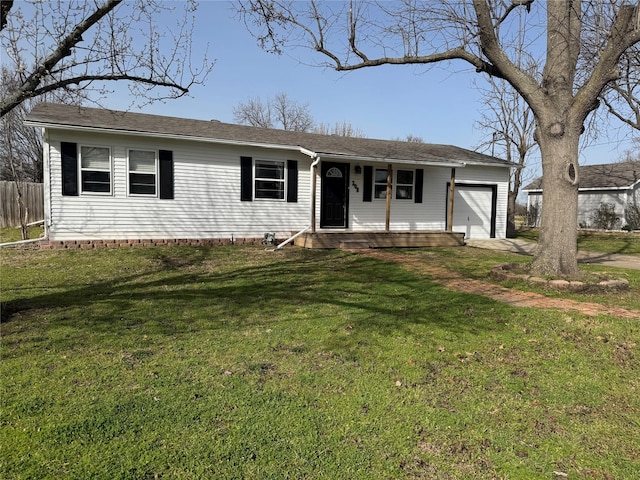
379,239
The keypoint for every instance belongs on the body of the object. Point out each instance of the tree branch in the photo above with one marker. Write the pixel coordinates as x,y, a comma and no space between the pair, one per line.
63,50
625,33
524,83
92,78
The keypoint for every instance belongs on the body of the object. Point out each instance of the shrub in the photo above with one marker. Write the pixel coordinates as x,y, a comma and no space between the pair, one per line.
533,215
632,216
605,217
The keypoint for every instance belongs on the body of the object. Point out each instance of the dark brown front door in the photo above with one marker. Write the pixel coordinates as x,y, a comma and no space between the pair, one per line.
335,194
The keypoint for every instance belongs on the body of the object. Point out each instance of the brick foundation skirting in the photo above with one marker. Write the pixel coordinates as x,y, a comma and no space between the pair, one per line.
200,242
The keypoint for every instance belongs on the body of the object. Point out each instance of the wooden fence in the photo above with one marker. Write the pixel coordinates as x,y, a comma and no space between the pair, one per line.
32,195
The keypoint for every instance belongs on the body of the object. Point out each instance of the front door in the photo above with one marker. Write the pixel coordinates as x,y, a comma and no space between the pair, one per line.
334,194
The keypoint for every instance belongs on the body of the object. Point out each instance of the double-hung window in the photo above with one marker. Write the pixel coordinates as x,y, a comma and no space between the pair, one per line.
404,185
95,169
142,172
380,183
269,179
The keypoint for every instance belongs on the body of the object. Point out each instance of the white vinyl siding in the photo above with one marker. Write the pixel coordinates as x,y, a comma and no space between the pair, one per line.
206,200
588,203
431,214
207,204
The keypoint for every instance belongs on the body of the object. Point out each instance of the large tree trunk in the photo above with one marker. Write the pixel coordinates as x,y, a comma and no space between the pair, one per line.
557,247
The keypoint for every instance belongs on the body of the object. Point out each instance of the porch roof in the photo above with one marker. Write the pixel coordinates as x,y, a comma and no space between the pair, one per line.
347,148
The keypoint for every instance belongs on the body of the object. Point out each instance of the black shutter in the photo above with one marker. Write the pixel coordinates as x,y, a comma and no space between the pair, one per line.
367,188
292,181
419,182
166,174
69,152
246,179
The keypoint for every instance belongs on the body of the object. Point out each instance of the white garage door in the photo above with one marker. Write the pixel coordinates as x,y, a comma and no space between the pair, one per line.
473,211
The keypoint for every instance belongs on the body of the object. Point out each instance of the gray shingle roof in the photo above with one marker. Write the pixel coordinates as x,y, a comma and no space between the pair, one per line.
608,175
67,116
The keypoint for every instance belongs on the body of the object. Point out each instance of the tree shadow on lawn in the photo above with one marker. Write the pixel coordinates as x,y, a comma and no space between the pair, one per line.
176,297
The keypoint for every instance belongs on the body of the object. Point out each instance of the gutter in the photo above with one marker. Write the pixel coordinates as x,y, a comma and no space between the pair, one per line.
290,239
358,158
23,242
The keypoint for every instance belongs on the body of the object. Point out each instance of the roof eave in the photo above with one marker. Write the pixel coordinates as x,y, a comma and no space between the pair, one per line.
361,158
585,189
170,136
173,136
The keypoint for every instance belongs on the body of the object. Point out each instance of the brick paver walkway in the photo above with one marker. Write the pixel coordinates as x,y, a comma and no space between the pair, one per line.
459,283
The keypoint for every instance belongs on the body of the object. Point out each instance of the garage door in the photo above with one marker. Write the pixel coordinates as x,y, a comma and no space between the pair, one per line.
474,211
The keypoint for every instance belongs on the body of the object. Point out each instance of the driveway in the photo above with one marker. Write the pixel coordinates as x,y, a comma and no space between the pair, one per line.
528,248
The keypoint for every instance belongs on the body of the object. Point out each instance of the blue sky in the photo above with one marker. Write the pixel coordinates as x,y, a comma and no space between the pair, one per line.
439,105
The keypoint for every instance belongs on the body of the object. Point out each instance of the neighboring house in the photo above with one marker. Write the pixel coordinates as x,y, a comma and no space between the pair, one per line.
613,183
121,175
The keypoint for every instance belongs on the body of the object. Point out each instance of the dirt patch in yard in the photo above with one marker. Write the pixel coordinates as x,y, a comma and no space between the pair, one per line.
455,281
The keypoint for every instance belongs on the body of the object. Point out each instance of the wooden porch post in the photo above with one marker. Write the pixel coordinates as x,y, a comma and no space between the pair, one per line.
388,212
452,191
313,198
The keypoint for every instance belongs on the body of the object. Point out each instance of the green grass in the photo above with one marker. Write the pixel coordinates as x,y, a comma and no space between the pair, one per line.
233,362
9,234
477,264
614,242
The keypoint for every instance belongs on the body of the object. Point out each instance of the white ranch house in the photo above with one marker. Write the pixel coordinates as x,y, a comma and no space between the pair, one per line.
613,183
113,175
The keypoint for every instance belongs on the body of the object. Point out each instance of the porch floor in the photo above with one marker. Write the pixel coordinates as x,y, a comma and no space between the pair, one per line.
379,239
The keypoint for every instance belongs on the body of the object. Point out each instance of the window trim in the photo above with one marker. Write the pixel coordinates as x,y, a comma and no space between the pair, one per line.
412,184
81,169
156,174
257,179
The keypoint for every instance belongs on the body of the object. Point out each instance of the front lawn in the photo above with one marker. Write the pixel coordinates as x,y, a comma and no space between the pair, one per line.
625,243
477,264
233,362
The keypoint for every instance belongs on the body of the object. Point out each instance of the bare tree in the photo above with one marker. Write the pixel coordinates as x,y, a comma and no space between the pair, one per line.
278,112
291,115
411,138
509,125
253,112
80,45
21,146
360,34
341,129
622,97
